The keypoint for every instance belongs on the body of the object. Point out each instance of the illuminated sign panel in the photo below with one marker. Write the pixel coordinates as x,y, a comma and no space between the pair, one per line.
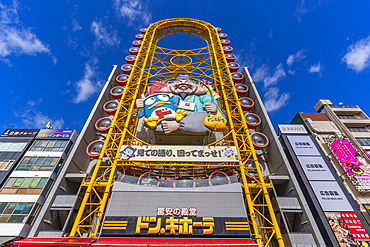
176,226
303,145
20,133
315,168
356,167
55,134
179,153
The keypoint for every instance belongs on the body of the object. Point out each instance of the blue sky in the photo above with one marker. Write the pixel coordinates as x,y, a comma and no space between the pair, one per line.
55,56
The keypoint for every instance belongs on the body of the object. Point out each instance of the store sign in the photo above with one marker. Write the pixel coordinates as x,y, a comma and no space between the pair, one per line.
315,168
330,196
175,226
20,133
356,166
348,229
55,134
303,145
292,129
179,153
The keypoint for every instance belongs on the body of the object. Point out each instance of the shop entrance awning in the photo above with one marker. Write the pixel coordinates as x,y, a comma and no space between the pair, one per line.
55,242
172,242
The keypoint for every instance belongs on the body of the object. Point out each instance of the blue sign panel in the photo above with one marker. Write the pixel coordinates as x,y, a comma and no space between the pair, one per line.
54,134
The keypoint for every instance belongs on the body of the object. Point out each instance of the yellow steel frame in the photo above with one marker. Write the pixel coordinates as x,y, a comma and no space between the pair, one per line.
155,63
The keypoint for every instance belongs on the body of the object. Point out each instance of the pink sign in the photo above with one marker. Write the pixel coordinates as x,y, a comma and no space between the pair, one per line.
357,168
368,152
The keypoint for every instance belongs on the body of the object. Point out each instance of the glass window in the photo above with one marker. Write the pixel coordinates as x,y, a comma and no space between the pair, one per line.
39,161
58,143
48,184
32,160
16,219
4,146
4,218
54,161
34,182
42,183
64,143
9,209
19,208
8,191
33,191
18,182
37,143
3,164
25,160
10,163
35,210
43,143
2,206
48,161
10,182
21,191
26,182
23,168
27,208
51,143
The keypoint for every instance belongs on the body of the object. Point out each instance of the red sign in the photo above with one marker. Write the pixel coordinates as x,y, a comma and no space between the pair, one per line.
355,226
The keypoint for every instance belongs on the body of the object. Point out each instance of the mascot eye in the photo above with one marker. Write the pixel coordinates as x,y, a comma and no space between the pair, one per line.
163,97
150,101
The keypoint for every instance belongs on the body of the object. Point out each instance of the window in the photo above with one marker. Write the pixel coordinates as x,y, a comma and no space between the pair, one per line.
6,164
358,129
37,164
30,186
51,145
364,141
12,146
347,117
14,212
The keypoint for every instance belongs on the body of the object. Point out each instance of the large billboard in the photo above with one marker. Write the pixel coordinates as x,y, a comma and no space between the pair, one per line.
356,166
348,229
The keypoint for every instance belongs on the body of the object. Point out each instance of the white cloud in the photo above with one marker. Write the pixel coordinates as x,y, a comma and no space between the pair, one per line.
357,57
316,68
133,10
271,34
279,74
262,74
273,101
75,26
103,35
295,58
36,119
88,85
300,11
15,38
291,72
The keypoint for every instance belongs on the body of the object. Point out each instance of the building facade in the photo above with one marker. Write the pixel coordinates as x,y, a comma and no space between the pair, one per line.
27,187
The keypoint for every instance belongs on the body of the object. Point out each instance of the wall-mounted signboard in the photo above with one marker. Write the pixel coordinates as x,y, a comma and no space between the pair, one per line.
303,145
356,166
315,168
292,129
20,133
55,134
330,196
348,229
175,226
179,153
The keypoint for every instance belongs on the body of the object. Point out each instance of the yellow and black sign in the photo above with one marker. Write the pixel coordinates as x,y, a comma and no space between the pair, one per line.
175,226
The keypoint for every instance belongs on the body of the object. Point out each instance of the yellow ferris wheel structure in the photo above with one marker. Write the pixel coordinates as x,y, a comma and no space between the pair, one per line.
153,64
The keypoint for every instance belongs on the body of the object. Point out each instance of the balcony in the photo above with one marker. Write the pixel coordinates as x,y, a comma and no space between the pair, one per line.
346,109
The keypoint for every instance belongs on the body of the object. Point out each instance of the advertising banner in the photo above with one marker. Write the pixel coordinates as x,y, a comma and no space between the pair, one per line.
303,145
330,196
348,229
367,207
315,168
356,167
368,152
20,133
55,134
179,153
175,226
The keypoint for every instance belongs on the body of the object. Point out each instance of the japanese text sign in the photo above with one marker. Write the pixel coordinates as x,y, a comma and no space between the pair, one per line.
20,133
179,153
54,134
